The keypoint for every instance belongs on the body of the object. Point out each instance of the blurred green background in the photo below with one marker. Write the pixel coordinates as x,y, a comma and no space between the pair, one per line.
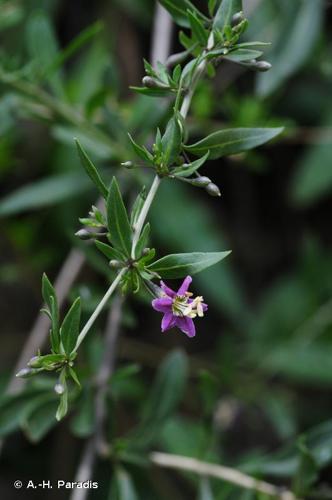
253,389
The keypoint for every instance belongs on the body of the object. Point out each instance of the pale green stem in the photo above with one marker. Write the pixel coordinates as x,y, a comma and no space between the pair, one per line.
144,212
98,309
156,182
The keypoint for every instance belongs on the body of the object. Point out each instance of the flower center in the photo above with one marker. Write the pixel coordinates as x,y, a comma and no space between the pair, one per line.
181,306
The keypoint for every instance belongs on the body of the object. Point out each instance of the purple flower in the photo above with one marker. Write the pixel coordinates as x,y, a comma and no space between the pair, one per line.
179,308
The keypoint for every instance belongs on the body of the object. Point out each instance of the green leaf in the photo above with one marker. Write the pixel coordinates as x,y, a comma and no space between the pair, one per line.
14,410
212,5
198,29
42,193
70,327
240,55
178,11
307,471
189,168
141,151
109,252
50,300
313,175
166,393
91,170
180,264
225,12
82,424
157,92
299,27
143,240
41,419
47,291
171,140
117,220
233,141
76,44
43,47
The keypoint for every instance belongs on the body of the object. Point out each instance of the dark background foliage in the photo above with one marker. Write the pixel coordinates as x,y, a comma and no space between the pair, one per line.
261,364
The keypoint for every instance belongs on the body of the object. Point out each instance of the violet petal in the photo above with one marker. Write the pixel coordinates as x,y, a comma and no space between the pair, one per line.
167,290
186,325
185,285
164,304
167,322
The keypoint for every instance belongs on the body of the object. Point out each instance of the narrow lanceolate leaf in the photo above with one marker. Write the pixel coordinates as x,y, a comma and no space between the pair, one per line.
143,241
240,55
179,265
91,170
70,327
50,300
109,252
233,141
117,220
197,29
225,13
189,168
178,8
171,140
141,151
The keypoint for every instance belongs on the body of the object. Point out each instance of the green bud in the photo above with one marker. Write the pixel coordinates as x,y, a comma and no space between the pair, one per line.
175,59
263,66
34,362
25,373
128,164
237,18
116,264
83,234
152,83
201,181
213,189
146,251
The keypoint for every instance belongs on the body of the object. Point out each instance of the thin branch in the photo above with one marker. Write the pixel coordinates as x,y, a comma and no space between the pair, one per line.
96,445
99,308
220,472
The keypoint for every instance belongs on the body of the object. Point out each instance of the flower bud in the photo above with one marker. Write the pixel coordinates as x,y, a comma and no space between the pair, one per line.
146,251
263,66
34,361
83,234
175,59
201,181
128,164
237,18
59,388
151,83
116,264
25,373
213,189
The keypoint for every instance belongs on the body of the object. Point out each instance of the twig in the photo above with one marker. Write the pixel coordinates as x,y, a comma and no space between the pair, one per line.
96,444
220,472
